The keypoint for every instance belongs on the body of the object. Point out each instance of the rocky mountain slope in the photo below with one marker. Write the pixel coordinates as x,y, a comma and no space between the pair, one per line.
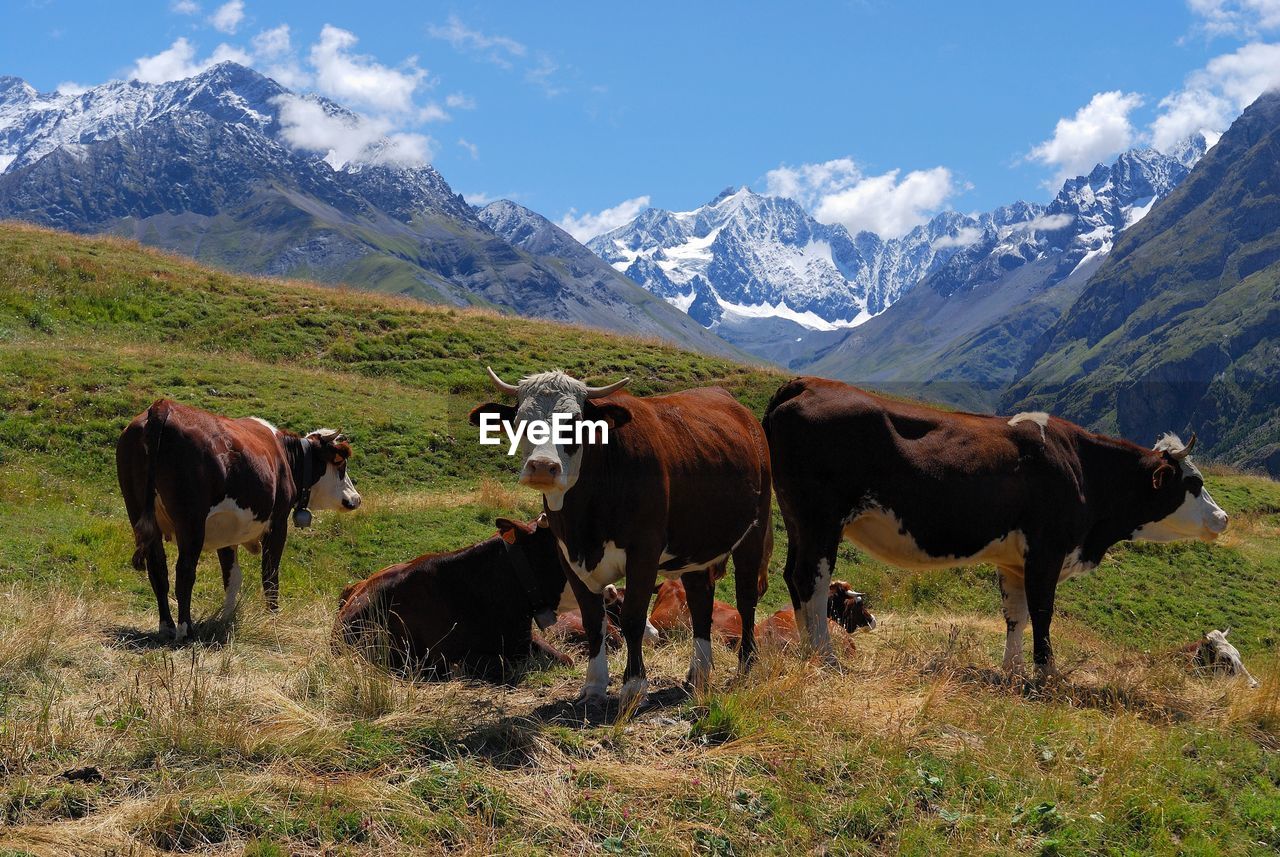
962,333
1180,327
205,166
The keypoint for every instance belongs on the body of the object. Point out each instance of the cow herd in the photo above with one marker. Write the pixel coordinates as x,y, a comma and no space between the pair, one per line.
677,486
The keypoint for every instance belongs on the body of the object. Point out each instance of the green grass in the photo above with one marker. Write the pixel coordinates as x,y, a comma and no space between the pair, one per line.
259,739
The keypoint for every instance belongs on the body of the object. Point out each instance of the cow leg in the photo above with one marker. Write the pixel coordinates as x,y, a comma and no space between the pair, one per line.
699,592
231,578
591,606
272,551
1013,601
158,574
815,560
642,573
750,561
190,545
1041,584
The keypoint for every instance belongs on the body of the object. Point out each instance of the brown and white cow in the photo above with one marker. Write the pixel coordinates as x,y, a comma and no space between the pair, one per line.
473,606
681,485
1037,496
209,482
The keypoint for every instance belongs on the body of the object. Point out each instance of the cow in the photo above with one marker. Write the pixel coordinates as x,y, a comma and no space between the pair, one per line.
209,482
568,623
472,606
846,609
1213,652
671,612
681,484
1039,497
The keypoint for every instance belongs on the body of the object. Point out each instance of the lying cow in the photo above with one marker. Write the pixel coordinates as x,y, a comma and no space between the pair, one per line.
846,609
209,482
472,606
681,484
568,626
1039,497
671,613
1213,652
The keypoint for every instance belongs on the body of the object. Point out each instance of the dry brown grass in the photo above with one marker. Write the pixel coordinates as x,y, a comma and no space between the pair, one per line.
262,731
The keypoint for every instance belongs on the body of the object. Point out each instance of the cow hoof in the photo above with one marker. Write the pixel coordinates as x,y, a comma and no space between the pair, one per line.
166,630
633,694
591,697
181,631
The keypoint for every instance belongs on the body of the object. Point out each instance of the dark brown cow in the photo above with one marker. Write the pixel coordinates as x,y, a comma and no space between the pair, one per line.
208,482
472,606
1039,497
681,484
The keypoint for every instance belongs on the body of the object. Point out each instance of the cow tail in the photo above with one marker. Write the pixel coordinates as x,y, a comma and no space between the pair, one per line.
146,531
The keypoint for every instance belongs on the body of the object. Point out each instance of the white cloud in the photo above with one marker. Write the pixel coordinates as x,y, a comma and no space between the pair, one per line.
472,148
460,101
966,236
886,206
479,198
1099,130
184,7
499,50
70,87
586,226
228,16
1043,223
179,61
305,124
541,76
360,79
1245,18
273,43
1214,95
807,184
433,113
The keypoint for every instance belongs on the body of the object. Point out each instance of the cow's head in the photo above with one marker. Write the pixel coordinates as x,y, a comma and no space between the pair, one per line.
333,490
546,466
849,608
538,547
1184,509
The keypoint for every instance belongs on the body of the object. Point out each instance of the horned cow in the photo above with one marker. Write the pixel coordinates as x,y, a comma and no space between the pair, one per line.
1037,496
681,485
209,482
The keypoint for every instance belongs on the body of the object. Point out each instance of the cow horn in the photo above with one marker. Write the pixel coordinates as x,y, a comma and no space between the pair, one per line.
601,392
1180,454
501,384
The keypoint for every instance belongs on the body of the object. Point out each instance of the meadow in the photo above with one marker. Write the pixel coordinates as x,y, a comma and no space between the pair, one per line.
259,738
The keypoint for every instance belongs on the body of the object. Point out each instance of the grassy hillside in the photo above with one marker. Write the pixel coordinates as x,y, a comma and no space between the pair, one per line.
257,738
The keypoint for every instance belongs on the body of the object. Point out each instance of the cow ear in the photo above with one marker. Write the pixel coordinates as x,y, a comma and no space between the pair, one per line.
507,529
611,412
505,413
1158,477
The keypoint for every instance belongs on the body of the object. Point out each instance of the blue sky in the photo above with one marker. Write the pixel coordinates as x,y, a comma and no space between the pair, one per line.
874,114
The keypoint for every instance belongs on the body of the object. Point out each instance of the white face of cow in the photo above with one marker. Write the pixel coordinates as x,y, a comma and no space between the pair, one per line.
1197,516
546,466
334,491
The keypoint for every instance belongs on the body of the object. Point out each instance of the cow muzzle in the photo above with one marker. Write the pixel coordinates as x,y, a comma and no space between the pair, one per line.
351,502
541,473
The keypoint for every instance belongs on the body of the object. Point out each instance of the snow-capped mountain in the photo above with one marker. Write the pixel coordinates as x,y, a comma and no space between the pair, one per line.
208,166
743,255
763,273
961,333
